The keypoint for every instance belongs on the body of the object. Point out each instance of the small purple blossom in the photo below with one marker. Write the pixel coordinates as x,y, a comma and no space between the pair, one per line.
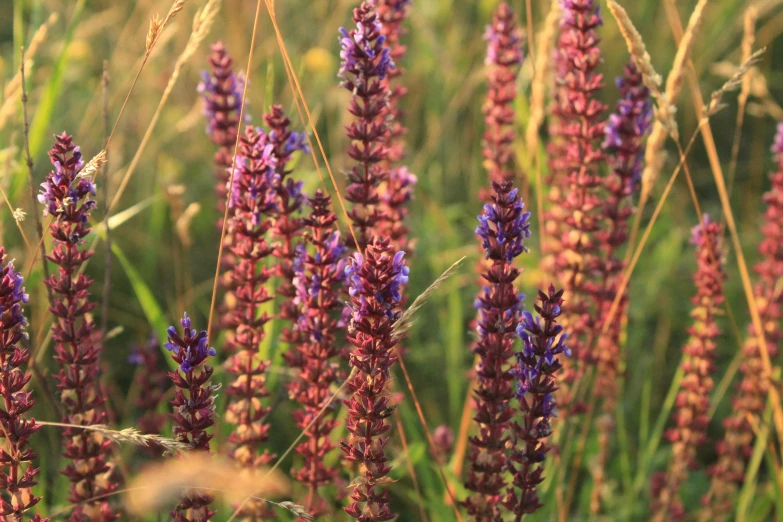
504,225
191,349
543,341
363,52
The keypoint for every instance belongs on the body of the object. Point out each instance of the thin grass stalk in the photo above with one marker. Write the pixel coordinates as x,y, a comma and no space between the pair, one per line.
107,255
31,177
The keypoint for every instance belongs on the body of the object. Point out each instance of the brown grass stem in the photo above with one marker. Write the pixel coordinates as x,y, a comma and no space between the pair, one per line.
409,463
31,177
107,255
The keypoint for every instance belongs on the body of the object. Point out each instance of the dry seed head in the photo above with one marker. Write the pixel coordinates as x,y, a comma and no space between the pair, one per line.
202,23
90,170
732,84
152,33
19,215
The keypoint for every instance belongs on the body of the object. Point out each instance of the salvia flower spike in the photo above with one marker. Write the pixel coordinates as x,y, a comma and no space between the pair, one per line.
398,191
366,62
543,343
221,91
375,282
574,216
17,471
193,406
319,276
504,58
503,228
288,223
253,203
691,414
624,133
749,401
68,198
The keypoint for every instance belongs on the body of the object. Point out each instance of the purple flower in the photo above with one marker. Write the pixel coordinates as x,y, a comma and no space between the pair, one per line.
503,226
543,341
190,350
363,52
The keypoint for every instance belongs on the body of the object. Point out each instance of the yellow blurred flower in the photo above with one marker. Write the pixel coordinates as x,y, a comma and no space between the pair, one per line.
319,60
78,50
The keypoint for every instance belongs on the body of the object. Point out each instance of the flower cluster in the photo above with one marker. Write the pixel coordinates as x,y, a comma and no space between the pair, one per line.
375,281
253,203
17,473
193,405
748,403
397,192
504,58
366,62
318,280
68,197
543,341
221,90
503,228
576,205
625,132
692,404
287,224
153,380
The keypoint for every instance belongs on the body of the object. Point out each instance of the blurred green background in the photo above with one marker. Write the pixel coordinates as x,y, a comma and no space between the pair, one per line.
157,272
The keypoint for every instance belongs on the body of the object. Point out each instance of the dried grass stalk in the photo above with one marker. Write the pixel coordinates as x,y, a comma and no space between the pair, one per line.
542,75
732,84
128,436
655,156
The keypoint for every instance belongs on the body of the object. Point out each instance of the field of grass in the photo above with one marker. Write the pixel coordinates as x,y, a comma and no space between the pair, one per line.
164,244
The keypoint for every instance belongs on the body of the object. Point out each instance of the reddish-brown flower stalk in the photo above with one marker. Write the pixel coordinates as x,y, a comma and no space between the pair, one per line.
318,281
624,145
253,202
748,403
221,89
504,58
17,473
68,197
288,223
398,191
503,228
693,400
376,281
194,407
366,62
577,207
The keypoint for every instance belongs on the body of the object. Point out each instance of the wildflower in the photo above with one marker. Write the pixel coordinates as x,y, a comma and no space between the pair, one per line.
193,405
692,405
375,281
253,202
318,281
735,448
504,58
16,468
575,216
288,223
77,347
221,90
444,440
543,341
366,62
398,190
503,228
624,147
